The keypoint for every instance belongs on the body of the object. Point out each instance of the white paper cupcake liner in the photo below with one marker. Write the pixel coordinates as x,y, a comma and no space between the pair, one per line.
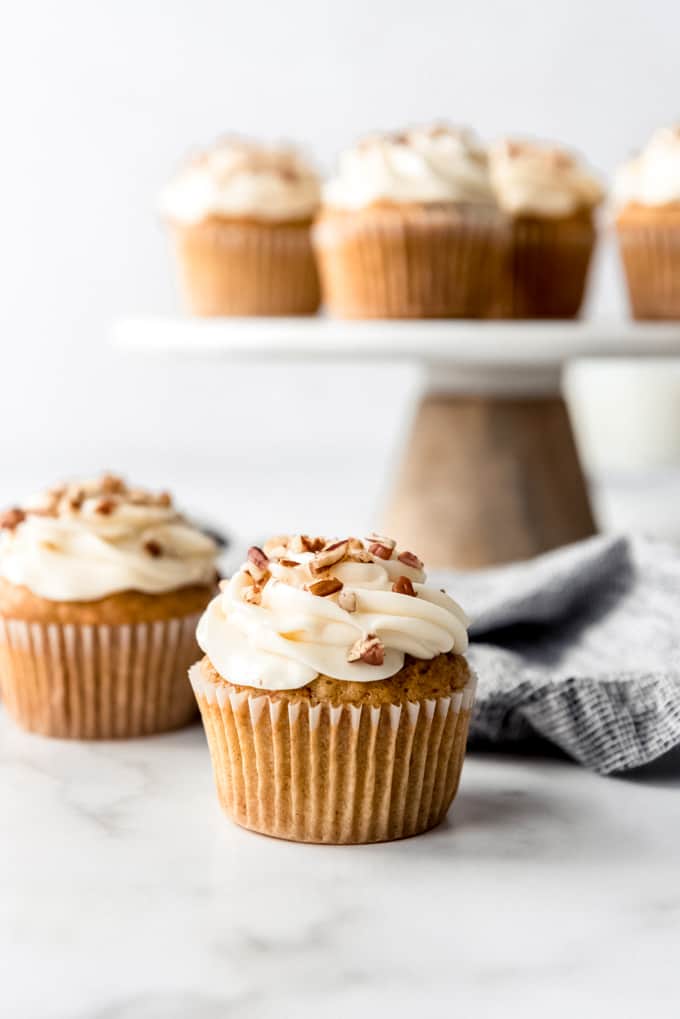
98,681
344,774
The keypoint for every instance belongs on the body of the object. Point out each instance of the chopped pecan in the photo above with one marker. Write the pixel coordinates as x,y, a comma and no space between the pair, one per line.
322,588
111,484
347,600
403,585
328,556
288,563
380,551
380,539
11,518
360,555
258,563
252,594
369,649
105,507
153,547
164,499
409,559
276,544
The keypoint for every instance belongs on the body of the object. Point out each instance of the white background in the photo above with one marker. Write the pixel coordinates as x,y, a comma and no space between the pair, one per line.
101,100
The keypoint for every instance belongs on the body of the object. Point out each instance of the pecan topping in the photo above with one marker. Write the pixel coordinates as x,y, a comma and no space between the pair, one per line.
105,507
76,500
11,518
347,600
252,595
328,556
153,547
276,544
380,551
360,556
164,499
289,563
403,585
322,588
380,539
258,563
409,559
369,649
111,484
303,543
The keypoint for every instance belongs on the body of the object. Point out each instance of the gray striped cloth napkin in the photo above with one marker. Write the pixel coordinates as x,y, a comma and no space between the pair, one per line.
581,647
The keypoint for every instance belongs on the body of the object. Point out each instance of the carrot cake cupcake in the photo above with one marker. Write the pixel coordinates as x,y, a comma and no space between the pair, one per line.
550,199
334,691
240,215
647,197
409,228
101,587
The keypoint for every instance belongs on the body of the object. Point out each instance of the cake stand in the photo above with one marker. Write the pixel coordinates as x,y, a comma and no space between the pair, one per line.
490,471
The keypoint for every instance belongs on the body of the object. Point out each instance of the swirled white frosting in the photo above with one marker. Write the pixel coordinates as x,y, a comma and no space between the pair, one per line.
425,166
237,178
78,553
293,635
652,177
539,180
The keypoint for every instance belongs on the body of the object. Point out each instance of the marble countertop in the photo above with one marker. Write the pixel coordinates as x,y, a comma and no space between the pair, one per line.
125,894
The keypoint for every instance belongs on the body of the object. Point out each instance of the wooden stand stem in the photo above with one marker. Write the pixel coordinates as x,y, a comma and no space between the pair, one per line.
489,479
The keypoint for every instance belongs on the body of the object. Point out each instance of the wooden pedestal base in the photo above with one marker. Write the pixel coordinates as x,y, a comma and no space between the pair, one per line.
489,479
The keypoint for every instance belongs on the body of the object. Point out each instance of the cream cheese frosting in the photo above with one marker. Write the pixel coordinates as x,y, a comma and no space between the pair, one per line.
236,178
424,165
91,539
653,177
540,180
349,609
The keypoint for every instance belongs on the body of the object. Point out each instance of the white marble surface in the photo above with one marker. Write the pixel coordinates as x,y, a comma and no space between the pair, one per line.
126,894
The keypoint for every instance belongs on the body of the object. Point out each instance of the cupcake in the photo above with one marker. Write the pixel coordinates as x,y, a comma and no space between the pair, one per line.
409,228
240,215
101,587
334,692
549,199
647,197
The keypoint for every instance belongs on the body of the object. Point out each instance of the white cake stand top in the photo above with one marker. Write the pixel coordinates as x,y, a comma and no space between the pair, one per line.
485,356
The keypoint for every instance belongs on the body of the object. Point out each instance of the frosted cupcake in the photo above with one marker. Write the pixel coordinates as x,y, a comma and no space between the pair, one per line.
549,198
334,692
240,215
647,197
101,587
409,228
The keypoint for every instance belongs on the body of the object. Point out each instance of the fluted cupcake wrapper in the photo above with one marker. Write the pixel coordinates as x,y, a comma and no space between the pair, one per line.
334,774
98,681
414,264
547,268
233,268
651,260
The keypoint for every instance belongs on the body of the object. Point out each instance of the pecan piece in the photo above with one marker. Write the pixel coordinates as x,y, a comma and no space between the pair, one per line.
347,600
369,649
322,588
153,547
105,507
258,563
111,484
288,563
380,539
328,556
11,518
252,594
409,559
380,551
403,585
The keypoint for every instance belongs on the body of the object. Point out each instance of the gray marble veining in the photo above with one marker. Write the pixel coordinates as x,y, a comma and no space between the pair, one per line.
125,894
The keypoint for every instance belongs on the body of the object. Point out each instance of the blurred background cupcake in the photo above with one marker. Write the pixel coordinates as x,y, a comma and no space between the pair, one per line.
240,215
409,228
549,199
101,586
647,196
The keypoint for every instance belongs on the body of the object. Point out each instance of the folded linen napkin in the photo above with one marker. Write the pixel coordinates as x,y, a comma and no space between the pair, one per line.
580,646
